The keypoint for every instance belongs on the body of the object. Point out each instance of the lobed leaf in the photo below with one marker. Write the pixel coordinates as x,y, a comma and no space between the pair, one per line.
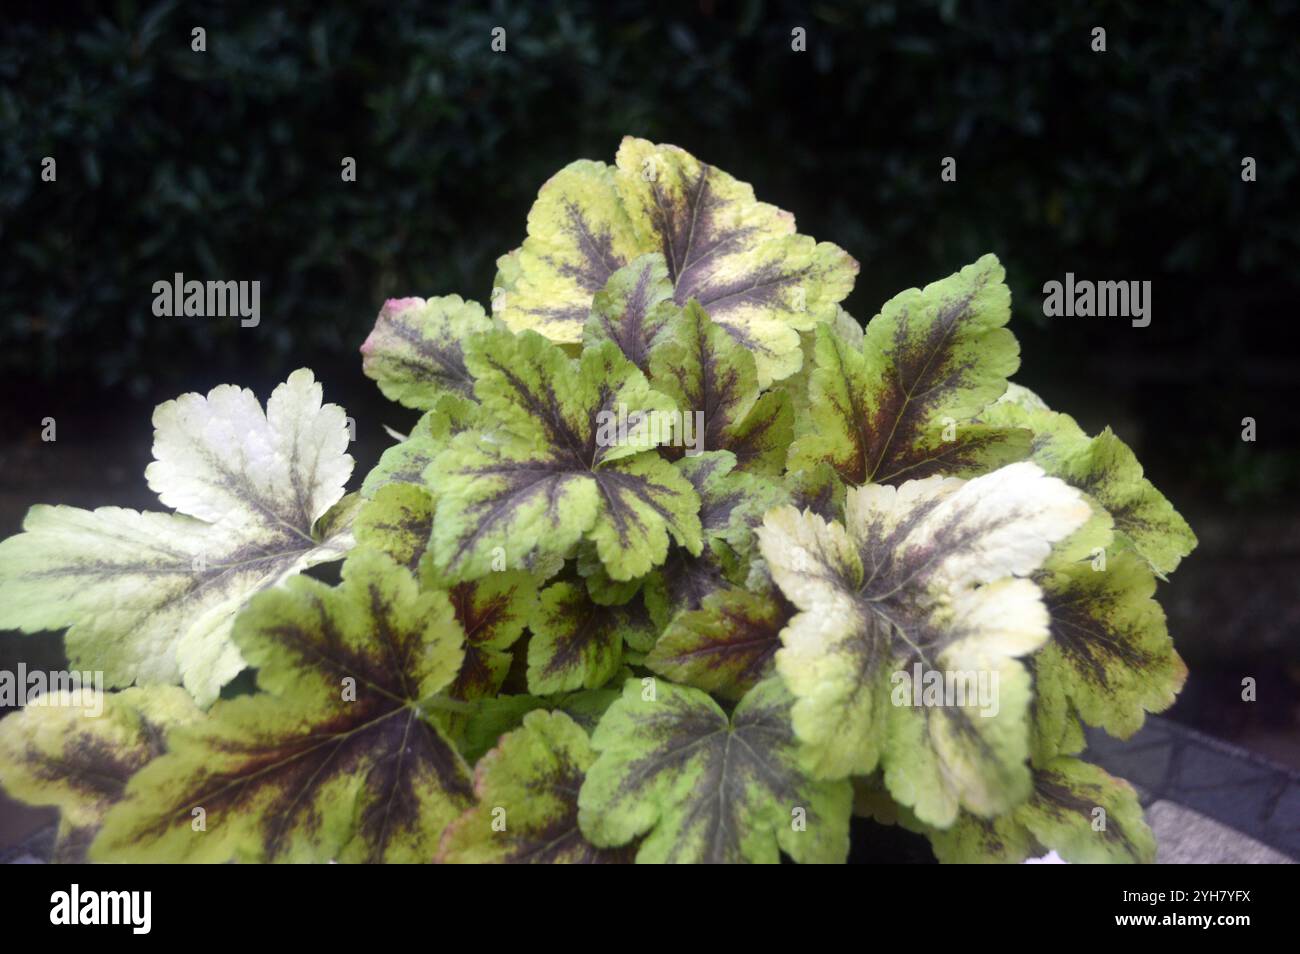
705,787
556,470
577,643
1110,655
416,350
1076,810
492,611
740,258
715,381
339,757
527,791
922,578
492,717
634,309
902,405
1108,471
406,461
732,503
78,751
150,597
725,647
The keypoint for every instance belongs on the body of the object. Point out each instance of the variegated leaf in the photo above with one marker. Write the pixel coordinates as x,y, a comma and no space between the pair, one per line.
740,258
398,521
725,647
577,643
1108,471
902,406
634,309
150,597
527,791
339,757
924,578
569,456
1076,810
714,381
702,786
416,350
406,461
76,749
492,611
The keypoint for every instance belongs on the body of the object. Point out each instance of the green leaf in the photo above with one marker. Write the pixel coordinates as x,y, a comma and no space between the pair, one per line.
818,489
921,578
76,750
556,470
727,645
731,504
416,350
527,791
705,787
339,757
633,310
150,597
1076,810
578,643
492,717
493,611
1110,652
715,381
600,586
578,236
740,258
1055,728
406,462
639,626
398,521
1108,471
1143,516
685,581
901,407
796,387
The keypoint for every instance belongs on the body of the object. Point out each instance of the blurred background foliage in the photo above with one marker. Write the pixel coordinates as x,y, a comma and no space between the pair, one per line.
226,164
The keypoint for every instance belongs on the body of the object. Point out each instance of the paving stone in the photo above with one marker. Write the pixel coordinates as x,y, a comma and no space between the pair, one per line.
1184,836
1169,762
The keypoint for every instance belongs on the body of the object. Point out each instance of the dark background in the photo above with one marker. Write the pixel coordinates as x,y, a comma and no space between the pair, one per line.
1117,166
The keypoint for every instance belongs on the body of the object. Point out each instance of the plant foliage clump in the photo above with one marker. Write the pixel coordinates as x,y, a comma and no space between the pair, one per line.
679,563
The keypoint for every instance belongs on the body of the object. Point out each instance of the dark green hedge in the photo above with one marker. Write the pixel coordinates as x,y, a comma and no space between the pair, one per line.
226,164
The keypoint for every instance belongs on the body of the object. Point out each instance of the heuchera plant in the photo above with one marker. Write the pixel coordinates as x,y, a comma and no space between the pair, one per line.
667,571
